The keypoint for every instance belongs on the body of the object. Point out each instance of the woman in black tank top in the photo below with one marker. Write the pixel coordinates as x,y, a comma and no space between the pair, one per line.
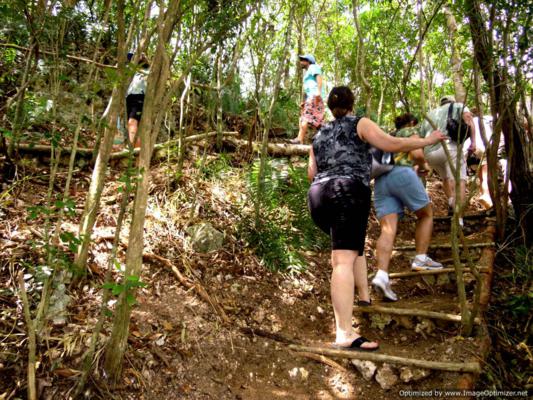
339,202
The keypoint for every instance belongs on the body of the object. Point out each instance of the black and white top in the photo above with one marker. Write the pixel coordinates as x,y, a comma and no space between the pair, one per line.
340,152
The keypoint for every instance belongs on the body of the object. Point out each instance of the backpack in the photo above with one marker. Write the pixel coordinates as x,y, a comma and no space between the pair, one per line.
458,131
382,162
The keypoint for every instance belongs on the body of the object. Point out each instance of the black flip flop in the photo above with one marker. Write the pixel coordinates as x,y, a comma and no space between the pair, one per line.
356,345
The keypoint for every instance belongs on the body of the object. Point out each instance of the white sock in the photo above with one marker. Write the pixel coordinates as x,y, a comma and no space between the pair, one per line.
382,275
421,257
450,202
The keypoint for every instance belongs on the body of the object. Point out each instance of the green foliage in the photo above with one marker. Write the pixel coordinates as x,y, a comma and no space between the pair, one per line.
56,255
286,112
129,179
285,230
232,101
519,302
125,287
509,315
214,167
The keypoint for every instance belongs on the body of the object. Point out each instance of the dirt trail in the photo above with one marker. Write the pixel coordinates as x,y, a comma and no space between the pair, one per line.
210,360
181,348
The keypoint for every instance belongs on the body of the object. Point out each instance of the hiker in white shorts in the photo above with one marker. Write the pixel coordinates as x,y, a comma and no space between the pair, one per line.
435,154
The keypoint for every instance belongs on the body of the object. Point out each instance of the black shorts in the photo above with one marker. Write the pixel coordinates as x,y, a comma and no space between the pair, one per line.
340,207
134,106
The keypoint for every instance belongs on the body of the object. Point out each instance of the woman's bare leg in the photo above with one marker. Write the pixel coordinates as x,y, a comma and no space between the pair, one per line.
361,278
133,126
342,296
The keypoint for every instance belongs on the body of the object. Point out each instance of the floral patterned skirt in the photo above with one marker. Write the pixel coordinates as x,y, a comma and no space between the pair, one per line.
313,112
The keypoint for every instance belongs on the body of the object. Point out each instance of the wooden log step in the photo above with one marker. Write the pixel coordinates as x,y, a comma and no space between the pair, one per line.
473,366
412,313
410,274
444,246
466,216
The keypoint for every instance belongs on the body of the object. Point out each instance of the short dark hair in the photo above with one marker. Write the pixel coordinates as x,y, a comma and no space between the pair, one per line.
405,119
340,101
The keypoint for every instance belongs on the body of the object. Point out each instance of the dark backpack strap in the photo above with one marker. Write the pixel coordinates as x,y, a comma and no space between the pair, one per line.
450,110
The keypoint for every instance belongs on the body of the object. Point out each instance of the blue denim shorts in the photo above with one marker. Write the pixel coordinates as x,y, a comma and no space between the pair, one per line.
398,189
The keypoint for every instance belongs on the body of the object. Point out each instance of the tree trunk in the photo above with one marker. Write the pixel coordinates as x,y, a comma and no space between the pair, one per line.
299,72
220,127
92,202
181,134
361,60
20,102
153,109
502,98
382,89
421,55
455,59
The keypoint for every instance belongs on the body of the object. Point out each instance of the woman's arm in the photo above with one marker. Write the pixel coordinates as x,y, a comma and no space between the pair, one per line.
371,133
311,166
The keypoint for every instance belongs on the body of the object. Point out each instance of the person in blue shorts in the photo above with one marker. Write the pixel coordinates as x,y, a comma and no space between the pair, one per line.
393,192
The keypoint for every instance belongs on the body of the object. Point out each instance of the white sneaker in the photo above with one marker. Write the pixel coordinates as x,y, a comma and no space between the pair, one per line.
428,264
380,286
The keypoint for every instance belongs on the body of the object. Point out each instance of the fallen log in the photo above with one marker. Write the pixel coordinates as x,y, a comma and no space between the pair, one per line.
87,153
474,366
409,274
444,246
46,149
159,147
274,149
411,313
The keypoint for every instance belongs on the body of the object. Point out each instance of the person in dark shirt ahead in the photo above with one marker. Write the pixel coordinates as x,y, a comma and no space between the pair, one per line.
339,202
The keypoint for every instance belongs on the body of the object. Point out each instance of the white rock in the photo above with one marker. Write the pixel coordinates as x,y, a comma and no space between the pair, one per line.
160,341
304,373
259,315
366,368
386,377
204,238
408,374
293,373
